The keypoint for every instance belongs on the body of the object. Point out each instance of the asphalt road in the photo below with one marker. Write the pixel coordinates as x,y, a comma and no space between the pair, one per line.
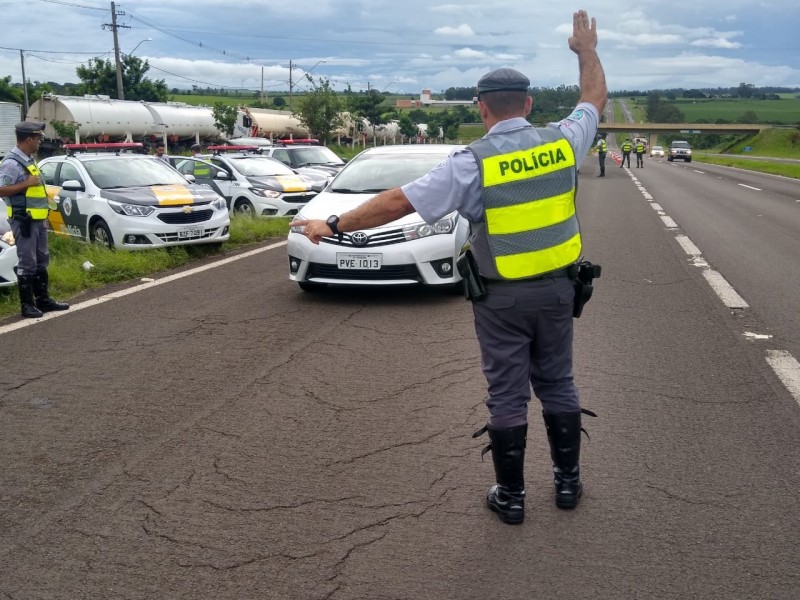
224,435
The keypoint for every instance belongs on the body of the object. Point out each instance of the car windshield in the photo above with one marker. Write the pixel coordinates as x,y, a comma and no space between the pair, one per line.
314,155
260,166
110,173
680,144
378,172
657,148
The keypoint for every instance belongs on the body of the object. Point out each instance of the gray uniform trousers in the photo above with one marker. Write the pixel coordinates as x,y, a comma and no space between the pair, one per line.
524,329
32,252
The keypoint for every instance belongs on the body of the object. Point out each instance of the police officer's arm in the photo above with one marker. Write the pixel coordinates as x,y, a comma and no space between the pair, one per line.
384,208
18,188
583,42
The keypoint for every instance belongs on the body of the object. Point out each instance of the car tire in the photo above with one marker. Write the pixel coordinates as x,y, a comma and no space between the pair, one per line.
307,286
99,233
243,206
669,159
688,160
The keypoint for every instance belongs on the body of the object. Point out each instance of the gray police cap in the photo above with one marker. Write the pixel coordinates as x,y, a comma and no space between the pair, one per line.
503,80
29,127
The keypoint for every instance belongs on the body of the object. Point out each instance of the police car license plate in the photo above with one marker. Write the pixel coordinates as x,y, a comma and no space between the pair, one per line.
193,232
359,261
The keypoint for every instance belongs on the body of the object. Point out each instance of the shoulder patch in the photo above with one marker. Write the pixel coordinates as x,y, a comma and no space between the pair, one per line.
576,115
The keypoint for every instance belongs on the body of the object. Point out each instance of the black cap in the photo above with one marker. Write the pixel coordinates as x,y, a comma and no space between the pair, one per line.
29,127
503,80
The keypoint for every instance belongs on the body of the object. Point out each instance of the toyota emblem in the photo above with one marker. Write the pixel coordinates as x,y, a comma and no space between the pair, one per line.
359,238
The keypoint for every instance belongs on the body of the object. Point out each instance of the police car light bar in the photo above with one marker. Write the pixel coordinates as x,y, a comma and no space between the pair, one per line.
312,141
97,147
232,148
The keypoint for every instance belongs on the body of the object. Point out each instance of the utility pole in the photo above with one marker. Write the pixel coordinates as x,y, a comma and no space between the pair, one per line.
113,26
24,83
290,83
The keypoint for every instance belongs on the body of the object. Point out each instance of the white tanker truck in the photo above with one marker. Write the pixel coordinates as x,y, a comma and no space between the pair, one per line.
98,118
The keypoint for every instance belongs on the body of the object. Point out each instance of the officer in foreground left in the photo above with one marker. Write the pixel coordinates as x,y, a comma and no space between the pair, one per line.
28,205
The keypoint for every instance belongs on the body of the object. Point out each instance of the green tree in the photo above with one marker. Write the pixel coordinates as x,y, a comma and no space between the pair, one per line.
320,110
748,117
8,93
278,101
365,104
100,77
406,126
224,117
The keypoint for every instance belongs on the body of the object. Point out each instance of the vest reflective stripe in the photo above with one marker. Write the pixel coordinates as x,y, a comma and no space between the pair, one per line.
514,219
639,147
530,225
626,147
201,170
34,200
549,259
603,146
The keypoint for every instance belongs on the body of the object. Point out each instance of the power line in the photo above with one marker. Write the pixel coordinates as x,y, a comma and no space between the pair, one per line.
74,5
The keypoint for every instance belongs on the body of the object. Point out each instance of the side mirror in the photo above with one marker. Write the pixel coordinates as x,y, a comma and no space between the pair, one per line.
73,185
189,177
224,175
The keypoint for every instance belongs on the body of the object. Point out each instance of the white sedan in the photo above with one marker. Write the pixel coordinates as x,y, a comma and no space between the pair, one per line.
405,251
657,151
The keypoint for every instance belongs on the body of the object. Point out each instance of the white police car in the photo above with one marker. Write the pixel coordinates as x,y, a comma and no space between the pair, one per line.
260,186
112,195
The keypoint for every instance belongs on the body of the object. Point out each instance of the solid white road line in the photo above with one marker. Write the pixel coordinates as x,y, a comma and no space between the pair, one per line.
688,246
135,289
750,187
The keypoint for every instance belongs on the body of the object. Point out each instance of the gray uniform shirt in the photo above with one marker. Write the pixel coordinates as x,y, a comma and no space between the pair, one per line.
11,171
455,185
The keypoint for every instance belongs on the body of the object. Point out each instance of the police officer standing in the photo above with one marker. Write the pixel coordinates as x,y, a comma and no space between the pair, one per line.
639,149
516,186
27,206
201,170
626,153
602,149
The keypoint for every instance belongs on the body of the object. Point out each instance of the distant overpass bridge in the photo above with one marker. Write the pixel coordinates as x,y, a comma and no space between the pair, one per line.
651,130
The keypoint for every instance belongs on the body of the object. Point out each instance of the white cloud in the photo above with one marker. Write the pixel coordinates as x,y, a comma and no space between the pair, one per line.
462,30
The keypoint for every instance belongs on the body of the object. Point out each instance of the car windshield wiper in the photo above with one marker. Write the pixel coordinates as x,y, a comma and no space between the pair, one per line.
349,191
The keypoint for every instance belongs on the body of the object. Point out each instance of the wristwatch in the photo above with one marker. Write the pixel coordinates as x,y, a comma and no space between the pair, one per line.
333,223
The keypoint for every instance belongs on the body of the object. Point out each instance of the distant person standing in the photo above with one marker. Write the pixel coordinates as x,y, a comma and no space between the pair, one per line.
27,206
626,153
639,149
160,152
602,149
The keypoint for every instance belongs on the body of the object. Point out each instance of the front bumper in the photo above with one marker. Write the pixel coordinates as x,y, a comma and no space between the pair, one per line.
152,232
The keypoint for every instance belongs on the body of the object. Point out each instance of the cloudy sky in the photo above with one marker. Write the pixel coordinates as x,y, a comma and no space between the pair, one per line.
406,45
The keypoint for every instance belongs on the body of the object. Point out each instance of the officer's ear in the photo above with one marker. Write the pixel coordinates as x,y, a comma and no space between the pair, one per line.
528,105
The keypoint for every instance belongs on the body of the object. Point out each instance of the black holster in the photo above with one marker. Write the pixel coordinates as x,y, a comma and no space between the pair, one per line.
24,221
584,272
474,285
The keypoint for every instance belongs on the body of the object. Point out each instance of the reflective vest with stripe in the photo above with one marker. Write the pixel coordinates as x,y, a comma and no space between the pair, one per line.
201,170
639,148
626,146
34,200
530,226
603,146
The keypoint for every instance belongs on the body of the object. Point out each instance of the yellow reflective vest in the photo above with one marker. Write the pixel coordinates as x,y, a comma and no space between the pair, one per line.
626,146
530,226
603,146
34,200
639,148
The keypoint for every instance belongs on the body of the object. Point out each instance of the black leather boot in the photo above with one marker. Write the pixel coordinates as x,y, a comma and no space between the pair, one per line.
564,435
507,496
43,300
28,307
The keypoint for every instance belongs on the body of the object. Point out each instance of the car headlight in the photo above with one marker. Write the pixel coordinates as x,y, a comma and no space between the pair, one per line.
130,210
220,204
421,230
688,152
264,192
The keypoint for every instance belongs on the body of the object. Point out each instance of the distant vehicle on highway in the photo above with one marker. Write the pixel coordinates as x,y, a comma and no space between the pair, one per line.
680,150
657,151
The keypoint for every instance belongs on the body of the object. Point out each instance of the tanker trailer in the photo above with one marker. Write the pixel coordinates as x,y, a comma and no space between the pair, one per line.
97,118
10,115
177,122
266,123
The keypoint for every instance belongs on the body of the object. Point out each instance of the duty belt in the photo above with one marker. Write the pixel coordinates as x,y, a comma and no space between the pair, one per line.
558,273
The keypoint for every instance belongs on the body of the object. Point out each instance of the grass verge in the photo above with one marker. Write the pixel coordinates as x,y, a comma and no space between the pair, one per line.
68,277
760,166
